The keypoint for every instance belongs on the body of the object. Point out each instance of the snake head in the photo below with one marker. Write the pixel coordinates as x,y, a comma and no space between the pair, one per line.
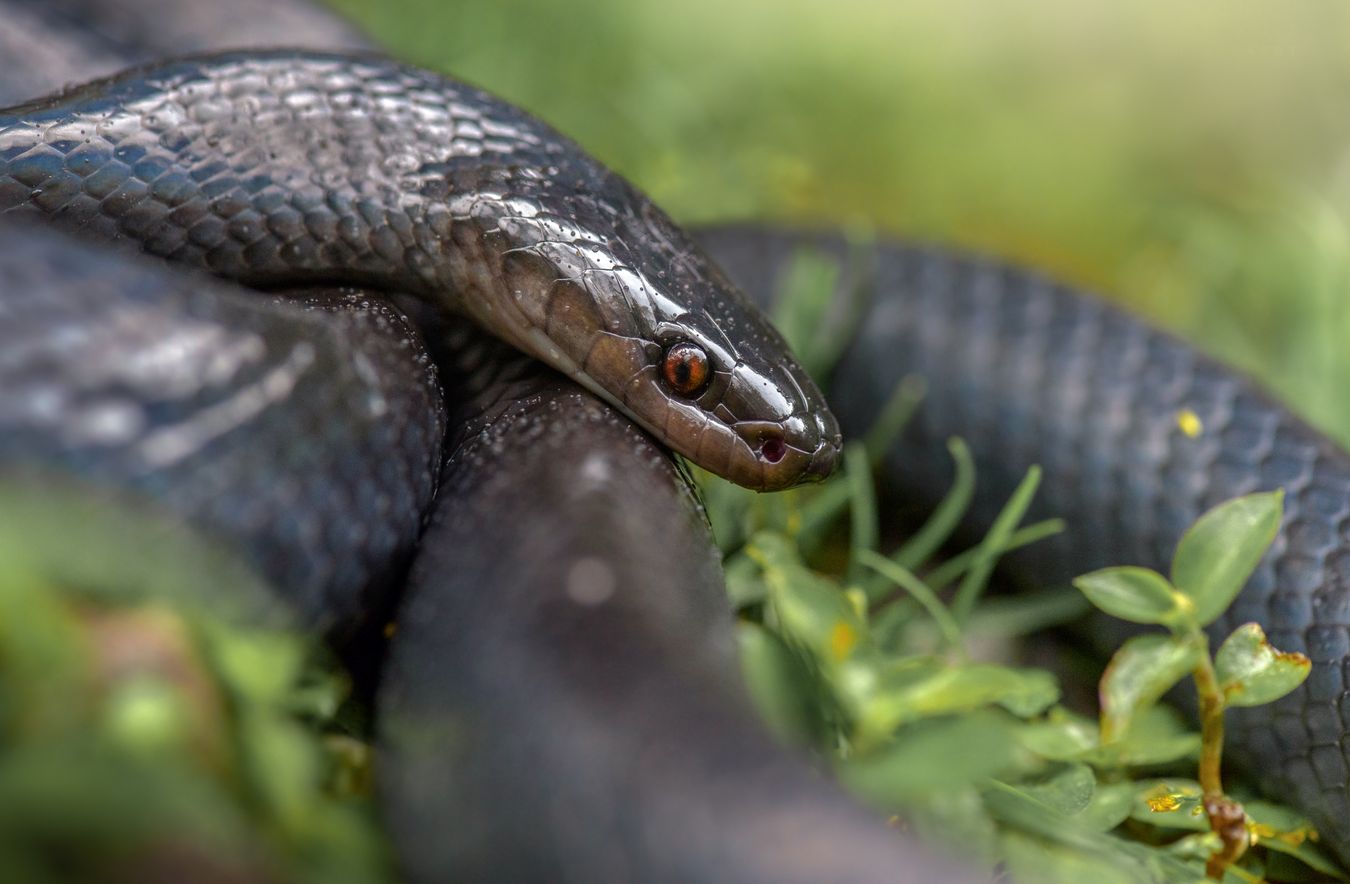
633,310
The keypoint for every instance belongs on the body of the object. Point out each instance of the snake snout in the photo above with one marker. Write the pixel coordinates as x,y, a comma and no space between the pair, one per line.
785,453
824,443
823,460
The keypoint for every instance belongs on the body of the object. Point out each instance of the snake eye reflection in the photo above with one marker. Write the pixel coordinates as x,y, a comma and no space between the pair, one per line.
686,369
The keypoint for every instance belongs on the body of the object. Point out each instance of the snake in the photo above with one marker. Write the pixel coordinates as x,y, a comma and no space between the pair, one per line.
500,219
291,168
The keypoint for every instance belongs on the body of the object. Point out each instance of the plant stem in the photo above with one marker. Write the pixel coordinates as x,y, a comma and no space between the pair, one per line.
1211,727
1226,816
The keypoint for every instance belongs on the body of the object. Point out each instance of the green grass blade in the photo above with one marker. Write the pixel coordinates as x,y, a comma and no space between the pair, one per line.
820,512
897,411
917,590
804,301
957,565
1027,613
993,545
862,508
948,513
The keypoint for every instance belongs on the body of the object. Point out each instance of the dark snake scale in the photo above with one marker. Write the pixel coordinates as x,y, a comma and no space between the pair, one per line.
304,427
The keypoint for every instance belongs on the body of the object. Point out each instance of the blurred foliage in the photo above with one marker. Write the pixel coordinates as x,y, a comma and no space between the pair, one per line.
1190,160
158,720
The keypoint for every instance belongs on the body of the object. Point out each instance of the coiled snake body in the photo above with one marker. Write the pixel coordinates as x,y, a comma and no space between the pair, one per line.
286,170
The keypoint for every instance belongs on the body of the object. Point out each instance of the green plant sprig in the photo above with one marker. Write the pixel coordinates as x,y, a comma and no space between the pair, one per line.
1213,561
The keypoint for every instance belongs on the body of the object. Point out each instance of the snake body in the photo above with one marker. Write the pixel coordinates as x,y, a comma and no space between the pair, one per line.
180,160
304,433
595,728
286,168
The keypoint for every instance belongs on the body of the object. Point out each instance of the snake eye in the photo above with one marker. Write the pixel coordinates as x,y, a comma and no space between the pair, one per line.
686,368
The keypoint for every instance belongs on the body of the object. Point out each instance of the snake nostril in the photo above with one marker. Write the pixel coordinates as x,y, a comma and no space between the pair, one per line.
773,450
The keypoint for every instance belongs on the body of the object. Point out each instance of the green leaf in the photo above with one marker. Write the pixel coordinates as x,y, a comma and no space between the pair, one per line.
1030,691
1144,669
891,624
1135,594
745,583
1219,552
1197,848
1111,805
1021,812
1062,736
931,757
956,815
1281,865
146,714
1029,858
777,683
1069,790
261,665
1156,736
1134,752
1023,692
808,610
1170,804
1284,831
729,510
1252,673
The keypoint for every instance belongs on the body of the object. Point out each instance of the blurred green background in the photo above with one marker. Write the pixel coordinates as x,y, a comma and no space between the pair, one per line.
1189,160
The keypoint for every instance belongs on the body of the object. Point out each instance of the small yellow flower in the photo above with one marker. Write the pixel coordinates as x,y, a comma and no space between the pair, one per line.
1260,831
1164,803
1189,423
1162,799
